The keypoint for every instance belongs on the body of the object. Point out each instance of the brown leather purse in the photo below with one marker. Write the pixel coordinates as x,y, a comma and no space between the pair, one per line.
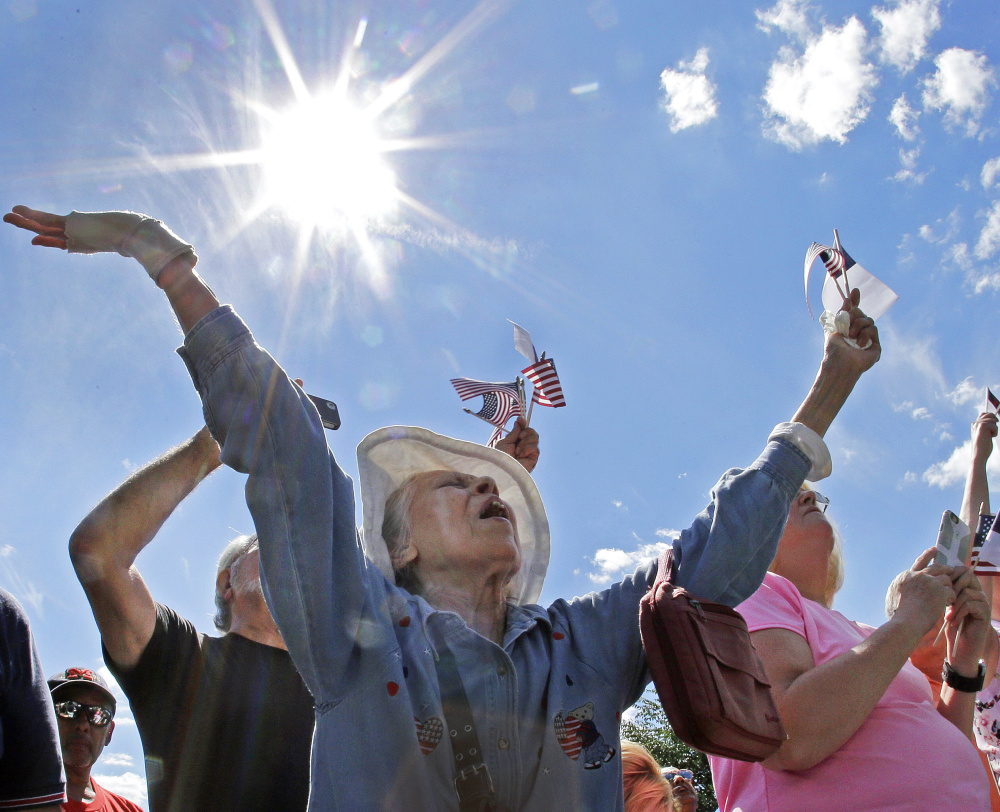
710,681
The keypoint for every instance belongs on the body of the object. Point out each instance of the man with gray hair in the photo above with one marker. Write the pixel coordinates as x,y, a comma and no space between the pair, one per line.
226,722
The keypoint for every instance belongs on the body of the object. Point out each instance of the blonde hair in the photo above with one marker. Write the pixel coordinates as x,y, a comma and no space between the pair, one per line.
645,788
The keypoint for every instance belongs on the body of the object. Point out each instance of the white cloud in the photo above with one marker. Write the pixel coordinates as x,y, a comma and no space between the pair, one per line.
618,503
116,760
988,281
689,94
958,254
921,413
953,470
905,31
613,563
943,230
989,237
665,533
788,16
990,176
129,785
908,167
915,357
822,94
960,87
904,119
966,391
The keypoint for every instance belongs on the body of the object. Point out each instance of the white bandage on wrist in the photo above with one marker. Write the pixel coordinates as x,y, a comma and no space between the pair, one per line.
810,444
840,322
127,233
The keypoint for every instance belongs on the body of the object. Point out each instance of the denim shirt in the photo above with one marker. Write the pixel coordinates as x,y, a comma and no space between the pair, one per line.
547,703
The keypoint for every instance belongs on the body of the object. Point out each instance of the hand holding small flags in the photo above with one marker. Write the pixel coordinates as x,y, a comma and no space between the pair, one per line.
876,296
501,401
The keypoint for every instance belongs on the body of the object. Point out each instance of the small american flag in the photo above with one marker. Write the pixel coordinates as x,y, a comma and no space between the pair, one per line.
834,261
985,523
988,560
499,407
469,388
543,377
992,402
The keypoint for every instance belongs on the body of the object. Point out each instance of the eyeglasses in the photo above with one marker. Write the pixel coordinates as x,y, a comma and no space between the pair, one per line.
95,714
671,774
822,502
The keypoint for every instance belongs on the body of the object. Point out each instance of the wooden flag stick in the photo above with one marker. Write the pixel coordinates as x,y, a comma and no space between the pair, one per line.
839,247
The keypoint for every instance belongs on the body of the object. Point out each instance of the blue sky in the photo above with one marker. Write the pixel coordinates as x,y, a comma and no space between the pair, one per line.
636,184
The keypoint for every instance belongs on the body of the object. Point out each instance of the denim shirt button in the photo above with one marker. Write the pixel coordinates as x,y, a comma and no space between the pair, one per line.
503,744
502,670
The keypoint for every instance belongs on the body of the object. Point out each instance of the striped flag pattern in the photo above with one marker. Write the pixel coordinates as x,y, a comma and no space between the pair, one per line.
834,261
992,402
547,389
469,388
501,402
568,735
499,407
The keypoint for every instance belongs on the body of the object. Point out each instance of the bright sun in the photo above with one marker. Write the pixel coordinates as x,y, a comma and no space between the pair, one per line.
323,164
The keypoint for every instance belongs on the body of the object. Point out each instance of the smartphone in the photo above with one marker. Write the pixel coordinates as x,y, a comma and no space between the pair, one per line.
953,542
328,413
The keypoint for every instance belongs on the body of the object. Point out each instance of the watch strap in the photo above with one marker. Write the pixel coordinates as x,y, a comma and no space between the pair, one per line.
967,685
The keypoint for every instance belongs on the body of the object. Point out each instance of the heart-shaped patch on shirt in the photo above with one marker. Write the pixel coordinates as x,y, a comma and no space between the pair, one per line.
429,733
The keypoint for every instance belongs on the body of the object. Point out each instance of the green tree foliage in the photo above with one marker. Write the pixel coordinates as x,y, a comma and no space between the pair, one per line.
651,729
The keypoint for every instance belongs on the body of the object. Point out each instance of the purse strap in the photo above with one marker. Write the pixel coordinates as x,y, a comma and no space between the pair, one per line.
473,781
665,567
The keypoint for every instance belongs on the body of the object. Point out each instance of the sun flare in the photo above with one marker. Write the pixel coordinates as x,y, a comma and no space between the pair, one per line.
323,164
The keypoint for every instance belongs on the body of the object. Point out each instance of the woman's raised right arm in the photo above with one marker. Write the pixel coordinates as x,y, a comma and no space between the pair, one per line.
301,501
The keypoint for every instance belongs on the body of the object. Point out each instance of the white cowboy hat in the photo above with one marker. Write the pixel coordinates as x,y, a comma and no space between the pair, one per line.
389,456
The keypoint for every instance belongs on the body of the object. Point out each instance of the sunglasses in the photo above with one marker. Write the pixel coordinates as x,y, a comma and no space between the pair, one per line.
95,714
671,774
822,502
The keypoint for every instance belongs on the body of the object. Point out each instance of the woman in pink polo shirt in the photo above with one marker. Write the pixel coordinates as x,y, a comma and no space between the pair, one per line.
864,731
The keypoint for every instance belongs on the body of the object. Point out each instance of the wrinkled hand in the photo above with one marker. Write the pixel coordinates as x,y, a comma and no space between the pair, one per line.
924,592
970,613
50,228
862,329
984,430
522,444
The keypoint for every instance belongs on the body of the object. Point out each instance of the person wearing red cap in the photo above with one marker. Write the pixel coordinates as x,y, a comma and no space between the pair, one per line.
85,710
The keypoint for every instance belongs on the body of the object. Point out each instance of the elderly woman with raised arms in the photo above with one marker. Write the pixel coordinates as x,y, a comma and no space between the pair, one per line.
439,683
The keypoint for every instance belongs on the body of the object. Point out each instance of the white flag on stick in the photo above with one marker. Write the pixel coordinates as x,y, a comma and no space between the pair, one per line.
523,343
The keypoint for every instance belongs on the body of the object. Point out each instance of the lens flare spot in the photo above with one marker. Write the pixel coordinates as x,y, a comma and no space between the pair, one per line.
179,56
375,396
372,335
